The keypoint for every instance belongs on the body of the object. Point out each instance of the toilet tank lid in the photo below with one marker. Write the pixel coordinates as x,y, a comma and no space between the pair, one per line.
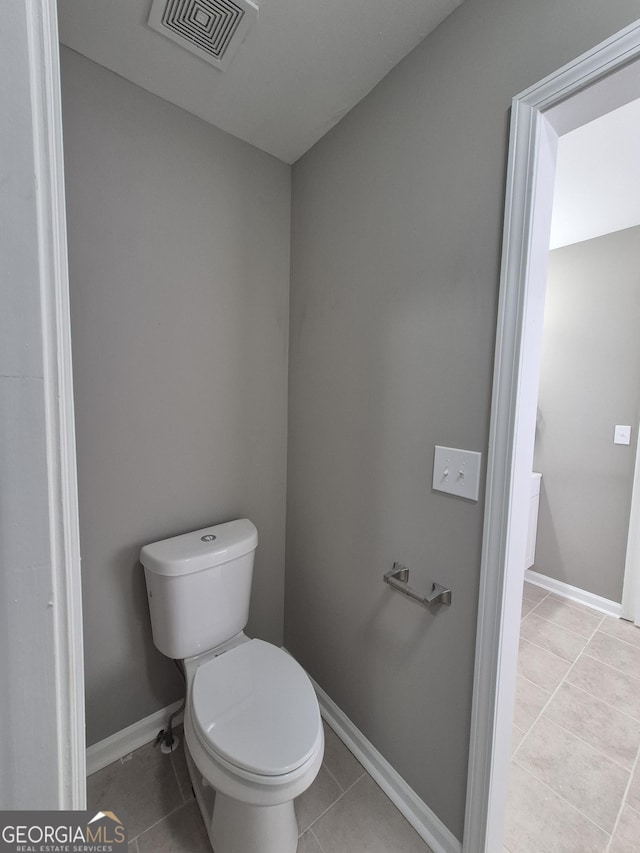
200,549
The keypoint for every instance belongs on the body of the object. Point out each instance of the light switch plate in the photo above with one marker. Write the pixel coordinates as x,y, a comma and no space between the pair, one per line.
622,434
457,472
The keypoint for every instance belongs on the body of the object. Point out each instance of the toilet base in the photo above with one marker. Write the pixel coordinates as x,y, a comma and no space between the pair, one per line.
237,827
241,828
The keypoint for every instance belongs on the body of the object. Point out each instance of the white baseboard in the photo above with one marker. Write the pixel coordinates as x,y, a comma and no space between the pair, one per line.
428,826
133,737
573,593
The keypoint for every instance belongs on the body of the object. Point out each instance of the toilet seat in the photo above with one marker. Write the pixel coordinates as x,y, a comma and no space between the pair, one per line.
255,709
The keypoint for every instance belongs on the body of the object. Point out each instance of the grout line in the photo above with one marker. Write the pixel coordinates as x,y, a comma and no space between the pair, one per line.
526,600
611,666
626,622
564,799
335,802
530,600
177,778
326,767
568,630
624,801
601,618
578,605
537,686
164,817
317,840
620,640
135,843
590,745
549,652
335,779
551,697
602,701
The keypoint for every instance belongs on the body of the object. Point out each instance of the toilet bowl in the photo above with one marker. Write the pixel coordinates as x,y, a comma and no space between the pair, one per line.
253,731
254,735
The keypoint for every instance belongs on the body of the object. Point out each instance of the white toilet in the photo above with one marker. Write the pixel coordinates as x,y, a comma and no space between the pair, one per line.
253,731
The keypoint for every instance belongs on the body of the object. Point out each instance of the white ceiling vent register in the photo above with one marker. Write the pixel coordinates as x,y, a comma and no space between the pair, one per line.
212,29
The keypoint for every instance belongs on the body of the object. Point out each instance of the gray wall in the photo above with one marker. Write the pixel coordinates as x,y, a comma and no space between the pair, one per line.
179,268
397,219
589,381
30,777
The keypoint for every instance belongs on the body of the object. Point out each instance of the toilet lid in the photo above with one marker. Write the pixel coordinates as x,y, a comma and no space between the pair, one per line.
255,707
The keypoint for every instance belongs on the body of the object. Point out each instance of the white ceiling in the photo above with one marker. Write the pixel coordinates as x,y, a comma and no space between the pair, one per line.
597,187
301,68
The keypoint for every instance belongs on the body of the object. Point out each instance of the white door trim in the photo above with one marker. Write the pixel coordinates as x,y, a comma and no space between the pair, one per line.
42,28
555,105
631,588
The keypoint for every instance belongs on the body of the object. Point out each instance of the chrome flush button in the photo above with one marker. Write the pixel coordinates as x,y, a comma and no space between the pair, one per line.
208,538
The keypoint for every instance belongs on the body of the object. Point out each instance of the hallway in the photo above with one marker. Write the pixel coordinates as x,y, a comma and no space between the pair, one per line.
574,781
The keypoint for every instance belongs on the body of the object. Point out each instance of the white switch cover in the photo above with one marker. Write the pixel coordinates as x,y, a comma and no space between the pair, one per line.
457,472
622,434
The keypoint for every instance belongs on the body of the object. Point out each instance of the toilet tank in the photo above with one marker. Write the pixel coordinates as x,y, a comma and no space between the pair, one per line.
199,586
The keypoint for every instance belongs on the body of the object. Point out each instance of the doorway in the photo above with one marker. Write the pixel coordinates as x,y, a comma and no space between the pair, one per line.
589,397
598,82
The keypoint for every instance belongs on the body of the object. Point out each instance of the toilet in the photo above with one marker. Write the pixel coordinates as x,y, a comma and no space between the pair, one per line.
253,732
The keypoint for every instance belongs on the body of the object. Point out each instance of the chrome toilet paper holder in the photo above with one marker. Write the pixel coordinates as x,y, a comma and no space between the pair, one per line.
398,579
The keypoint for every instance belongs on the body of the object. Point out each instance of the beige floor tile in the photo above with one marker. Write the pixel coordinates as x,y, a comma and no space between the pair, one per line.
531,592
626,838
582,622
621,655
143,787
527,607
543,668
591,782
613,733
565,644
633,794
320,796
132,847
181,832
608,684
517,736
539,821
530,700
308,843
582,607
621,629
365,821
342,765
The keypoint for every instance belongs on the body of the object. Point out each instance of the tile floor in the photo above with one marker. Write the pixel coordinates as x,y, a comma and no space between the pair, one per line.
344,811
575,775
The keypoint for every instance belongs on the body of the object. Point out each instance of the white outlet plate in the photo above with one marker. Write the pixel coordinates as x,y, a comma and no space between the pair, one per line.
457,472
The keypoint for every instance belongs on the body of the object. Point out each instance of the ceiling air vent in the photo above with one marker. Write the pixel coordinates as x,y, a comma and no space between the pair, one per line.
212,29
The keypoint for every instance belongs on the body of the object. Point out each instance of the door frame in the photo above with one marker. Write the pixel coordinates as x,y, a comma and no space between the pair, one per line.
67,652
602,79
631,587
